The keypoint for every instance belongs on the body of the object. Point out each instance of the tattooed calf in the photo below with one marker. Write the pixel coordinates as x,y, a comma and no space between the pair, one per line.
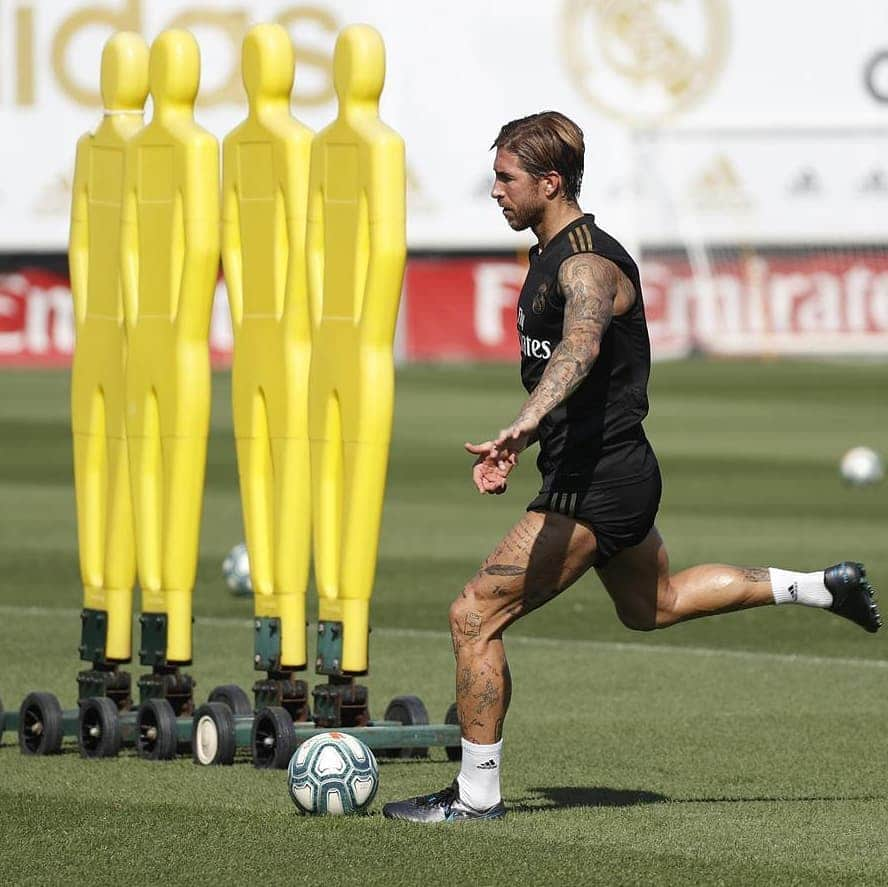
756,574
487,698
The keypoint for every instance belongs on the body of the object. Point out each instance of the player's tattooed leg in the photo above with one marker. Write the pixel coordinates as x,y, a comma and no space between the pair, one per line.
755,574
648,595
540,557
504,570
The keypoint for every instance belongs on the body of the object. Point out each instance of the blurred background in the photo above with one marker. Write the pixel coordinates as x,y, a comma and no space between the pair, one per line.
741,149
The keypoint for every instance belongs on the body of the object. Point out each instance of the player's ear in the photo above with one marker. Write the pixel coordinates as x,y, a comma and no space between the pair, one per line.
551,184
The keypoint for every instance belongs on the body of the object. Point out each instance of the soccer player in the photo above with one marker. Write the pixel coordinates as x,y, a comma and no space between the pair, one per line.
585,361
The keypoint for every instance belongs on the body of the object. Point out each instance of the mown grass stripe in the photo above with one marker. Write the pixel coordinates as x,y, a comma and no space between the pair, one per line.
568,643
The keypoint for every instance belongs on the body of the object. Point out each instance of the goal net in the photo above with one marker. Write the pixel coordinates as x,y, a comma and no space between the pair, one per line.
764,238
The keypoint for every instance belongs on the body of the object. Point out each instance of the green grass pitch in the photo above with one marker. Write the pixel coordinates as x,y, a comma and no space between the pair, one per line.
746,749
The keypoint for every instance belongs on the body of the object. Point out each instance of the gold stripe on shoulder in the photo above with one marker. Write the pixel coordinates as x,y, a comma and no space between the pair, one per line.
586,235
571,236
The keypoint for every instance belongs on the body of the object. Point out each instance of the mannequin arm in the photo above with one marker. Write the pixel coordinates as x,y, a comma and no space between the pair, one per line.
201,266
129,245
314,252
386,203
295,196
232,251
78,243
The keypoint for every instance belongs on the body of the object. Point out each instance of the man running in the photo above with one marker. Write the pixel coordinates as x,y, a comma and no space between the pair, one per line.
585,361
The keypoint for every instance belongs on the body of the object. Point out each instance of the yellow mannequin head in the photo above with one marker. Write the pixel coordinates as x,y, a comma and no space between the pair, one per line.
125,72
358,67
174,71
268,65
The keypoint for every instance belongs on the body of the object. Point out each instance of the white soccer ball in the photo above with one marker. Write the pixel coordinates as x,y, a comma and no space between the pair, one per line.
332,773
862,466
236,570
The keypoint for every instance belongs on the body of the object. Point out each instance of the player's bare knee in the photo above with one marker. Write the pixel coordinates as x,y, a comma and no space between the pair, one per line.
464,612
473,614
636,618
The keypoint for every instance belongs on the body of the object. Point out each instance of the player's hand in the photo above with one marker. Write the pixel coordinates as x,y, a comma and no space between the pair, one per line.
490,469
515,438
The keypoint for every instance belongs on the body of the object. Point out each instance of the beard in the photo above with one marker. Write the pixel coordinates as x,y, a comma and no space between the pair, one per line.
522,218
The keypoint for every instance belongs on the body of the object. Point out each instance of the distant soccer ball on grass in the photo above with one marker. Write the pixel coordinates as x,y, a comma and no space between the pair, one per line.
236,570
862,466
332,773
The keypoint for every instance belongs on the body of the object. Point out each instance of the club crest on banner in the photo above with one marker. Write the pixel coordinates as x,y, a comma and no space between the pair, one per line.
642,61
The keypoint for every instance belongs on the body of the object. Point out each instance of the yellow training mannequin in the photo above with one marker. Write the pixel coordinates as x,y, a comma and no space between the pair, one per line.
101,473
264,194
355,251
170,256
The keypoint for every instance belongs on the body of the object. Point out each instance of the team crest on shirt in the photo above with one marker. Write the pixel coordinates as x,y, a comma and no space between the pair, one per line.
539,300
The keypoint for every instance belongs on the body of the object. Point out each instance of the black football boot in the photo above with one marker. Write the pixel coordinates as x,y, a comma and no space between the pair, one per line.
853,596
442,806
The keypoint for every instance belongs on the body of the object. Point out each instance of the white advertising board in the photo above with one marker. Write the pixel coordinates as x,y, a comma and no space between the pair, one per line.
458,69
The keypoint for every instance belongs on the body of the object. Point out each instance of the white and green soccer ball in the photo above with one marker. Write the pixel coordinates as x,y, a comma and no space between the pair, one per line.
333,774
236,570
862,466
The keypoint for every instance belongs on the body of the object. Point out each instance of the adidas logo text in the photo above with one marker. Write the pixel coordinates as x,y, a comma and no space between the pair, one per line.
487,765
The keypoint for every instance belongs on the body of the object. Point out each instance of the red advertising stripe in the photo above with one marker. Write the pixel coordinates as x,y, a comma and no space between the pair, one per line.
37,320
814,302
806,302
460,309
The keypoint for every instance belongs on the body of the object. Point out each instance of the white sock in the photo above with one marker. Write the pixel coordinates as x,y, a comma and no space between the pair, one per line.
479,777
799,588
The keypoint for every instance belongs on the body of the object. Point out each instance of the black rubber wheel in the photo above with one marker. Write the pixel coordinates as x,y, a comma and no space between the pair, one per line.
410,711
273,738
212,735
98,730
232,696
40,725
454,752
156,730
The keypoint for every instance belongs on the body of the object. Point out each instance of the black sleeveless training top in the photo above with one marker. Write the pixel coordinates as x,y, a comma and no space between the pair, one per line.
596,435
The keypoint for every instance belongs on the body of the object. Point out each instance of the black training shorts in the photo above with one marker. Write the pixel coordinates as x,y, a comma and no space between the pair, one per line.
621,514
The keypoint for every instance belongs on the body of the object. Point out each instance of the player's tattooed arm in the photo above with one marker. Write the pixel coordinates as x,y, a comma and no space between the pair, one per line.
588,284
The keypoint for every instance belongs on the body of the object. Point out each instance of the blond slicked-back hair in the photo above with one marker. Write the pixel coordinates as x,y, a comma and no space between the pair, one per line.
544,143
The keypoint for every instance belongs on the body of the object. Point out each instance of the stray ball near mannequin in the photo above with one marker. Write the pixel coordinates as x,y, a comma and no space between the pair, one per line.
236,570
862,466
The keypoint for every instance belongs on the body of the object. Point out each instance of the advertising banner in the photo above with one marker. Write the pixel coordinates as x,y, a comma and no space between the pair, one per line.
458,69
37,320
815,303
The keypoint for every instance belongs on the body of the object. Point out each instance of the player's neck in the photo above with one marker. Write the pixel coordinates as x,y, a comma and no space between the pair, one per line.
557,218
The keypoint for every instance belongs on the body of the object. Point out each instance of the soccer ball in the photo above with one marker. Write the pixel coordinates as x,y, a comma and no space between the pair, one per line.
332,773
236,570
862,466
